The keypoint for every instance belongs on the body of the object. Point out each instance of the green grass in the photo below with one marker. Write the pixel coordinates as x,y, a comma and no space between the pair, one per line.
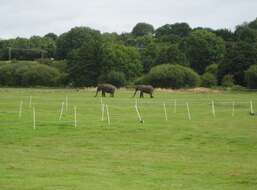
204,153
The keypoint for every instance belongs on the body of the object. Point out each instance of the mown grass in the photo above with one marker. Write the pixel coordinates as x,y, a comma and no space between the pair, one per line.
205,153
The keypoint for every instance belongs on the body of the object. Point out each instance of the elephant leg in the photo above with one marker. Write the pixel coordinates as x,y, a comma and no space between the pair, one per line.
141,94
96,93
135,93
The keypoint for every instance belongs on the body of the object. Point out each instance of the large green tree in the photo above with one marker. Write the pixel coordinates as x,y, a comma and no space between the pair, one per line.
27,49
74,39
123,59
225,34
150,55
239,57
253,24
84,63
142,29
51,35
203,48
44,43
172,54
179,29
173,32
247,34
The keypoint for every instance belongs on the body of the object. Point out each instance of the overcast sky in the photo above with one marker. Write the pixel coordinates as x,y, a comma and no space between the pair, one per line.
37,17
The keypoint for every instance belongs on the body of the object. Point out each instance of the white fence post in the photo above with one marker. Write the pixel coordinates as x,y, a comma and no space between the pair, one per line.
102,108
30,101
213,109
66,104
138,114
233,109
108,114
34,118
20,109
188,111
251,107
75,116
61,112
165,111
175,106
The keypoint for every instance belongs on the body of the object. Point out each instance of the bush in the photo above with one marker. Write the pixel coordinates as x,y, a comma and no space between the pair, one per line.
208,80
172,76
142,80
28,74
213,69
114,77
251,77
238,88
228,81
60,65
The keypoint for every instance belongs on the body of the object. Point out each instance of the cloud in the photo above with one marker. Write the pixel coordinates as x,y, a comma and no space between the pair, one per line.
32,17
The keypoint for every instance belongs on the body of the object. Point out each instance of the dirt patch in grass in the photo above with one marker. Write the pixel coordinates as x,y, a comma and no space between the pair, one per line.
193,90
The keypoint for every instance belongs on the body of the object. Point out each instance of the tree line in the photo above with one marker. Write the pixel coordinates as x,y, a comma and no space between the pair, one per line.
171,56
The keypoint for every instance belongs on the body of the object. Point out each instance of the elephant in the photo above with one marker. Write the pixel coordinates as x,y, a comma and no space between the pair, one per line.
144,89
106,88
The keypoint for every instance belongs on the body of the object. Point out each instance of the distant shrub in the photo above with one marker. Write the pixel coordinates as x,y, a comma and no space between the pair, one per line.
142,80
114,77
238,88
61,65
28,74
228,81
251,77
213,69
172,76
208,80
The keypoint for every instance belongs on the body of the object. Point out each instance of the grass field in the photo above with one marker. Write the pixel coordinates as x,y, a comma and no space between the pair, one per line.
205,152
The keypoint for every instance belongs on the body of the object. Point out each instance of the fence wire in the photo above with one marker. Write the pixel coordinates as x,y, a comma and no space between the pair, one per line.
120,111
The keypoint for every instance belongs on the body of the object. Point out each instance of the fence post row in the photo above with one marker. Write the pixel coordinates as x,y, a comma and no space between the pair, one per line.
105,110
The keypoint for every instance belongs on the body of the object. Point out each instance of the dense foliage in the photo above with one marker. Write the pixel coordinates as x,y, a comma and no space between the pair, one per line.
121,58
142,29
172,76
251,77
204,48
83,55
114,77
28,74
208,80
228,81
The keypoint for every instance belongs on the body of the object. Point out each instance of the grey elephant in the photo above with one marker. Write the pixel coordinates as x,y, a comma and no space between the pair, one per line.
105,88
144,89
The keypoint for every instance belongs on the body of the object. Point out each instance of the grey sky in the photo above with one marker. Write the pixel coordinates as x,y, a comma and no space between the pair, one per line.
38,17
